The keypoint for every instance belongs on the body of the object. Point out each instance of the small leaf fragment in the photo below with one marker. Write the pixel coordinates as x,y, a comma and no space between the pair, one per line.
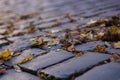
114,28
114,57
78,53
1,61
71,48
116,44
17,68
31,30
26,59
42,75
100,49
3,70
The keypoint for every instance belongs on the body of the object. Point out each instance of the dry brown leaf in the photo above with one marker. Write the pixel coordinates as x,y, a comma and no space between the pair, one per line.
100,35
100,49
69,16
114,57
116,45
31,29
53,42
2,71
71,48
78,53
37,39
1,61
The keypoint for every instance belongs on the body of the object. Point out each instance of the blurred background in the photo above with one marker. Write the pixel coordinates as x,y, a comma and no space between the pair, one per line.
53,8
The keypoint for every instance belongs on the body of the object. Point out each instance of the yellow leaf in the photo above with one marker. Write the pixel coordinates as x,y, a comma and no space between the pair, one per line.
27,59
114,28
83,35
6,55
41,75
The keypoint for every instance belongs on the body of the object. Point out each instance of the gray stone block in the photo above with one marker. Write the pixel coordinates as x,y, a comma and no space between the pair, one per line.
12,75
48,59
110,71
19,45
88,46
26,53
75,65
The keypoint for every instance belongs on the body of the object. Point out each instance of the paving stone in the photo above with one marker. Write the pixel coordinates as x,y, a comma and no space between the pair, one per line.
101,9
51,23
75,65
26,53
88,46
1,50
111,13
46,25
48,59
71,26
14,38
19,45
112,50
26,36
12,75
50,10
36,33
18,33
110,71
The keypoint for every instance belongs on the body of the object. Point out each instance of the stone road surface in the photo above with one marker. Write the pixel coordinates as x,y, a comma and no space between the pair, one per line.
51,61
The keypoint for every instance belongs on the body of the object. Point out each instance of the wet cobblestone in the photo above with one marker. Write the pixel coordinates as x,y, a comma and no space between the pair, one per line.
43,29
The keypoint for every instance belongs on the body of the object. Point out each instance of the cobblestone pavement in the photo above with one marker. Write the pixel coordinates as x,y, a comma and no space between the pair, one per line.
32,30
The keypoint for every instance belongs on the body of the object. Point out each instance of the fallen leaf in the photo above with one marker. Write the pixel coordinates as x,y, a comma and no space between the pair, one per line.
114,57
71,48
17,68
83,35
100,35
100,49
53,42
3,70
1,61
89,35
6,55
31,29
114,28
37,39
116,44
78,53
42,75
26,59
69,16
